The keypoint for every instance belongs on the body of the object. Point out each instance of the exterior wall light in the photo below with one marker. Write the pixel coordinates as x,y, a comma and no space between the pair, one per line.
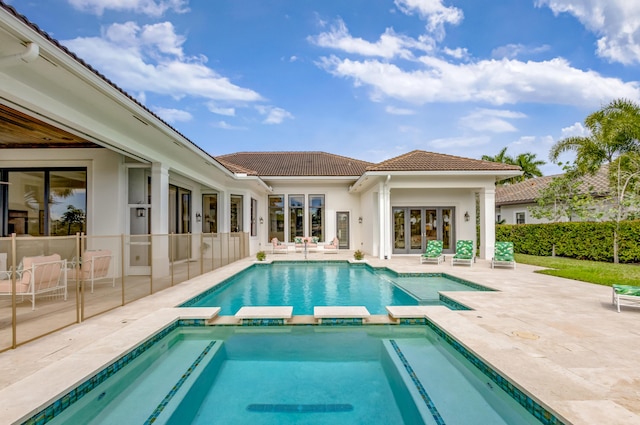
261,220
466,216
360,220
198,217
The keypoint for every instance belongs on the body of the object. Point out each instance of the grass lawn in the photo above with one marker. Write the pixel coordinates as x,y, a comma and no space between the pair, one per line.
586,271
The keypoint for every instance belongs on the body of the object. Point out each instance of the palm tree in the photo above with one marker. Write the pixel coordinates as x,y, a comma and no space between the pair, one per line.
501,157
615,130
530,166
526,161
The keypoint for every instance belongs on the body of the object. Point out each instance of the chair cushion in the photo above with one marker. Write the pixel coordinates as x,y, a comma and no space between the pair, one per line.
464,249
627,290
434,249
504,251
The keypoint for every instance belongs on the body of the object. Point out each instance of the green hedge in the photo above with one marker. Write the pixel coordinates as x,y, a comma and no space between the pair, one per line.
583,240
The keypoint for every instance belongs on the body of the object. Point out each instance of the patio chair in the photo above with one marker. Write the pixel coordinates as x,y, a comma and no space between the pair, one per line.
503,255
94,266
45,274
464,253
627,294
299,243
278,247
433,253
332,247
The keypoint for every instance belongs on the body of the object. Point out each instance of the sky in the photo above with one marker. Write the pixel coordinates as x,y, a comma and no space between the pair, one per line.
367,79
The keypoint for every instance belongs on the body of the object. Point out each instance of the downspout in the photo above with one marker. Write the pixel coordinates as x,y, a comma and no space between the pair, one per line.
31,54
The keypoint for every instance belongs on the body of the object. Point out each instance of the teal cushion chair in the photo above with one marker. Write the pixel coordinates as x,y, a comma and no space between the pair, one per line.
503,255
433,253
464,253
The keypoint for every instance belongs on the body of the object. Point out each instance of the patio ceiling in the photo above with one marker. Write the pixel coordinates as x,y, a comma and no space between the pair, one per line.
20,131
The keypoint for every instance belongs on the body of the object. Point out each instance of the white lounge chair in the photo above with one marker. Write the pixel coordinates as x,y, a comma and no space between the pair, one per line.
95,266
278,247
46,274
625,295
331,248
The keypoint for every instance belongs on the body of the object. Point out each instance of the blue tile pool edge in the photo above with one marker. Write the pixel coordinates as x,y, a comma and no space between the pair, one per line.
455,306
532,406
54,409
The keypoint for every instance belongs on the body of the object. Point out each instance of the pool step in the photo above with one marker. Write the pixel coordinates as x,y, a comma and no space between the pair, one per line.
458,395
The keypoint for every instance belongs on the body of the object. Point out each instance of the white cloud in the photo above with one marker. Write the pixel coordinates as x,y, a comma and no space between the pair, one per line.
575,130
173,115
434,12
496,82
274,115
458,142
492,120
150,59
216,109
616,22
226,126
399,111
153,8
389,45
458,53
512,51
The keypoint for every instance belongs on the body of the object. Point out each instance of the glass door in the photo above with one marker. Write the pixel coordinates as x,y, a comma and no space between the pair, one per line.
342,220
414,227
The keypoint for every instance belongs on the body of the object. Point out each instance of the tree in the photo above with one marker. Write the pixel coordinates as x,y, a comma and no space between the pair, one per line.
566,197
614,137
72,216
530,166
526,161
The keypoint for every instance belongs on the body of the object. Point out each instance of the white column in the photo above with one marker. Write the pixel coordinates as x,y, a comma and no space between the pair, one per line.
381,221
160,218
487,222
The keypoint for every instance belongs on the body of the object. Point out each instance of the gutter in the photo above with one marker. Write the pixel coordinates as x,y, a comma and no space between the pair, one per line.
31,54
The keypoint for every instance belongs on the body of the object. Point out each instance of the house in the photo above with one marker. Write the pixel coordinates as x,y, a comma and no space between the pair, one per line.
513,201
77,153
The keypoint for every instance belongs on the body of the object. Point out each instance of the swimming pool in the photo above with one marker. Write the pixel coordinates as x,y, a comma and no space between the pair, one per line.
304,285
303,374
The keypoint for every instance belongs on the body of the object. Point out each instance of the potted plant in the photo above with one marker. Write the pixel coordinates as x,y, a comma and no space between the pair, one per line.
261,255
358,255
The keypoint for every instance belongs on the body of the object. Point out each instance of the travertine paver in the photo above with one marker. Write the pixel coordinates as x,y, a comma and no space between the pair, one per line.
561,341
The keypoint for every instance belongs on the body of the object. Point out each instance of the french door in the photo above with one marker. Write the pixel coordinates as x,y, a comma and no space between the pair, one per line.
413,227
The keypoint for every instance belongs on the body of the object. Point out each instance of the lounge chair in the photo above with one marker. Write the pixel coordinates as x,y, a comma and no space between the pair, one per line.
433,253
312,242
299,243
503,255
331,248
278,247
627,294
45,274
95,266
464,253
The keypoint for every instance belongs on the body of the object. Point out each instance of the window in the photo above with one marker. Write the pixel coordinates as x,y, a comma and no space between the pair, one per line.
276,217
44,202
316,216
236,213
519,218
210,211
296,216
254,213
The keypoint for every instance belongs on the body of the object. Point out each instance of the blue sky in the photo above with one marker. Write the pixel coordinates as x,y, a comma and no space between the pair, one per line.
369,79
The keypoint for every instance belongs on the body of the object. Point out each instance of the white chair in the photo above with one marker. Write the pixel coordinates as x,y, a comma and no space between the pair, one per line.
46,274
95,266
278,247
331,248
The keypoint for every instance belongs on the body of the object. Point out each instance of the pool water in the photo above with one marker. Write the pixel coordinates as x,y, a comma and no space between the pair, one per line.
293,375
305,285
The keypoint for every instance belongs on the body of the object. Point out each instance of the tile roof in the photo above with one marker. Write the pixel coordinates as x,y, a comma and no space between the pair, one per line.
418,160
289,164
528,190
